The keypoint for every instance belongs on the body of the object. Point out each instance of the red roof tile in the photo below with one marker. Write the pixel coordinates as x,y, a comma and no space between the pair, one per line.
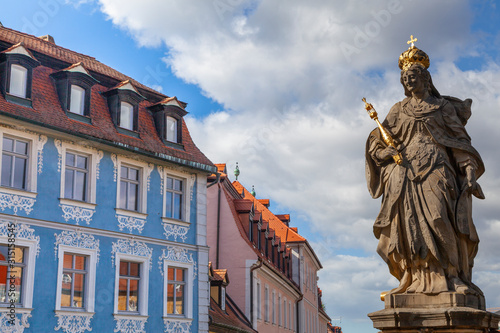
233,317
47,110
281,229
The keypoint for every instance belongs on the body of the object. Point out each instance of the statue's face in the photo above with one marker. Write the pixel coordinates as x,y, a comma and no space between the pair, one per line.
413,82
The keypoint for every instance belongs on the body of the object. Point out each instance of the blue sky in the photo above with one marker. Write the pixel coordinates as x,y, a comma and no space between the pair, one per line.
271,85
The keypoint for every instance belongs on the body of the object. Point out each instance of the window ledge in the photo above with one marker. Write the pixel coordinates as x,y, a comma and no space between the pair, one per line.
126,131
74,312
175,145
130,316
131,213
176,222
79,117
18,100
82,204
23,193
182,319
18,310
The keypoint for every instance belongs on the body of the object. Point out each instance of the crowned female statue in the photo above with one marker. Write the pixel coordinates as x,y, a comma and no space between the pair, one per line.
425,229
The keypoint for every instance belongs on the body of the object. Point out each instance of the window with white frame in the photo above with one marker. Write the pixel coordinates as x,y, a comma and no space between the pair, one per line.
178,290
259,302
290,315
273,307
15,163
280,323
131,285
129,188
18,80
126,116
285,322
171,129
266,304
12,271
18,162
73,280
76,279
132,178
77,100
174,198
128,290
76,176
18,273
79,170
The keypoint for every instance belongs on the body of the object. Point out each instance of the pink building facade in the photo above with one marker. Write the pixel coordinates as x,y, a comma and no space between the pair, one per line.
273,268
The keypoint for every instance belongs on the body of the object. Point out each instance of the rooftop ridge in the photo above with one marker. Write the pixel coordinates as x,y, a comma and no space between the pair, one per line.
66,55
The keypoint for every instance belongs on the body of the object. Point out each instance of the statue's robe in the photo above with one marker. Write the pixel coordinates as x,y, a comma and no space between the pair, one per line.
425,228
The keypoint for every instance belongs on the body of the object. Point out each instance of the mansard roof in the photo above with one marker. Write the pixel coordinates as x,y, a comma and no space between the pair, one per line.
47,112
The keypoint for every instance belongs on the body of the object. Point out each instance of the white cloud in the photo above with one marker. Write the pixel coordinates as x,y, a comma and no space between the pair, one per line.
294,119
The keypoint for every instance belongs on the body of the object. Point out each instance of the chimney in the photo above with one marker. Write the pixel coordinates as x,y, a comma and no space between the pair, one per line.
48,38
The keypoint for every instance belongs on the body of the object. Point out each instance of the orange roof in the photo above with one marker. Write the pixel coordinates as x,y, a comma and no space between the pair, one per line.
280,228
265,202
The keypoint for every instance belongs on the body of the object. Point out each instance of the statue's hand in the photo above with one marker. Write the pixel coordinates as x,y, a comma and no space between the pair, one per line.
386,153
471,184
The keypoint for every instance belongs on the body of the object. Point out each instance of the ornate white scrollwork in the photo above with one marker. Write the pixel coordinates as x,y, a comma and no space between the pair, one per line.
114,158
130,223
76,239
133,247
77,213
21,231
130,325
177,254
174,230
42,140
148,171
16,202
19,323
162,176
177,326
73,323
58,144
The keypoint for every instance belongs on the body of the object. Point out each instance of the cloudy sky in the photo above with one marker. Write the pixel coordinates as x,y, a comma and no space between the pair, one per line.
277,87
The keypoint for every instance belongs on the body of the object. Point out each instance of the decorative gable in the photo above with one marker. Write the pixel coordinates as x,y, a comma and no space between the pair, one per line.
16,74
73,85
123,102
168,115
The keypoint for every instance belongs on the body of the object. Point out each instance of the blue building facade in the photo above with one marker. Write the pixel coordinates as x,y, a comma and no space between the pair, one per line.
102,199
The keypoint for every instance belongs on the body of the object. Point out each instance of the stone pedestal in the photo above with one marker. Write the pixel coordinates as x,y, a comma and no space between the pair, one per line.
442,313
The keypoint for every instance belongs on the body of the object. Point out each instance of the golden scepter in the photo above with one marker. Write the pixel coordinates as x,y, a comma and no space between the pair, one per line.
385,135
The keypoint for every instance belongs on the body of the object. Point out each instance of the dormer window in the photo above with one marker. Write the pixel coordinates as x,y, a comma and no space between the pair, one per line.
168,115
16,72
123,103
18,81
74,86
77,100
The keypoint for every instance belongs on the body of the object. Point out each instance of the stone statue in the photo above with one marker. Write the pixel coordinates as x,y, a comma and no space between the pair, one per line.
425,229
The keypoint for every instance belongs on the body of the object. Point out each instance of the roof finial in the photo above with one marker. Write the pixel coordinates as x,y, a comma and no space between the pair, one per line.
253,191
237,171
412,41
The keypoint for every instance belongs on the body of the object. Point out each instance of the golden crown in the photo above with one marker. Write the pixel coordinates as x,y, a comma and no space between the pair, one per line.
413,56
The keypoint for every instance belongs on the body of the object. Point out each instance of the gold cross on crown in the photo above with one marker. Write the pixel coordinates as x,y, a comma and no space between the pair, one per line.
412,41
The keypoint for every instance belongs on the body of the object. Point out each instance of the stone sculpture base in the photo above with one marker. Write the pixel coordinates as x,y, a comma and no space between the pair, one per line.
442,313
